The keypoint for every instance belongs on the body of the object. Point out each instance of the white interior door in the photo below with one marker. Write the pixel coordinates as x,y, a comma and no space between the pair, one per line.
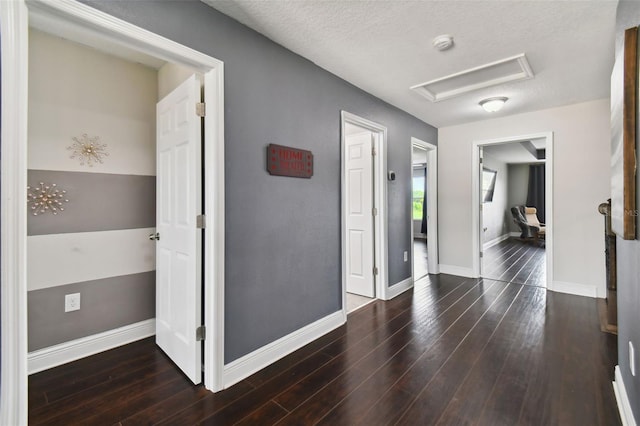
178,253
359,228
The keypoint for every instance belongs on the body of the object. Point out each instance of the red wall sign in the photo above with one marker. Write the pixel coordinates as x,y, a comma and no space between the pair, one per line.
286,161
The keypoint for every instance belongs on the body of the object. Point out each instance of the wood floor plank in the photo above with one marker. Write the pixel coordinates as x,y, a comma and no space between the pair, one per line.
253,399
472,394
429,352
165,408
431,401
68,407
516,261
270,413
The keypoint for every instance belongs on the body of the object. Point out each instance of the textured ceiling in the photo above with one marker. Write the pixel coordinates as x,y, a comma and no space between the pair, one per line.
384,47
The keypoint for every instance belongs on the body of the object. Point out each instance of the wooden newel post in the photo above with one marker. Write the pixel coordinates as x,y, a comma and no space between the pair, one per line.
610,262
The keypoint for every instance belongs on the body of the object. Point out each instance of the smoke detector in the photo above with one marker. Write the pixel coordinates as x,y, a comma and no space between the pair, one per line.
443,42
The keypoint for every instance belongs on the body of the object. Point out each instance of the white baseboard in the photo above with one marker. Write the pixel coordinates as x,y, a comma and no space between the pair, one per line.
495,241
515,234
624,406
457,270
266,355
50,357
573,288
399,288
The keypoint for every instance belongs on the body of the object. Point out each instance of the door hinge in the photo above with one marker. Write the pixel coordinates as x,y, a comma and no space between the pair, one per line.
373,151
201,333
201,109
201,221
374,211
375,270
481,255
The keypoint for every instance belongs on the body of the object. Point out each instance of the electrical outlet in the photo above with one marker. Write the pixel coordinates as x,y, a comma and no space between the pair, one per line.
406,256
632,359
72,302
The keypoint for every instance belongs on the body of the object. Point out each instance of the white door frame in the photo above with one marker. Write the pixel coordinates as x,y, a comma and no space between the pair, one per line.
476,240
379,202
14,25
433,265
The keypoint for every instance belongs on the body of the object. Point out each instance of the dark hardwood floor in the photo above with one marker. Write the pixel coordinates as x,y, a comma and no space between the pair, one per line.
453,351
512,260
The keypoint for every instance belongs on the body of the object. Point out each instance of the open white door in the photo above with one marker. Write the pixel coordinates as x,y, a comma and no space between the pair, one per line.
178,253
359,229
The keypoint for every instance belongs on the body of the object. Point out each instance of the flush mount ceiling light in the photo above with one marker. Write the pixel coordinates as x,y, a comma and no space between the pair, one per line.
443,42
493,104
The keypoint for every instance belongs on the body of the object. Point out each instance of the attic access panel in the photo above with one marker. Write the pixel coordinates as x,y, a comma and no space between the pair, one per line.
492,74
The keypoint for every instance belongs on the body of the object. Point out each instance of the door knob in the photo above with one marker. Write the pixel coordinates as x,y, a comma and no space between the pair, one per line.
155,236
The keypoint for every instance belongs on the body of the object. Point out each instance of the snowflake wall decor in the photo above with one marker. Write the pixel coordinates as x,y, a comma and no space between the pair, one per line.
88,150
46,198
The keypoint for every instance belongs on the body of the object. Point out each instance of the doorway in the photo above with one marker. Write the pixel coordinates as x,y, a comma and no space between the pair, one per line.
134,176
424,209
513,175
363,212
81,22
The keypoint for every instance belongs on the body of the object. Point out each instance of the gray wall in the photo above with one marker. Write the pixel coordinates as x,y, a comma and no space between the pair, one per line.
518,186
282,234
629,261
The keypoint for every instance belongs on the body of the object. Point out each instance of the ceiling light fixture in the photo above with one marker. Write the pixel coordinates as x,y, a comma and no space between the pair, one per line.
443,42
493,104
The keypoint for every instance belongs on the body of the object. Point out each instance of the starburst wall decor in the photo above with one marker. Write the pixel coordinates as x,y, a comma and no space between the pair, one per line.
88,150
46,198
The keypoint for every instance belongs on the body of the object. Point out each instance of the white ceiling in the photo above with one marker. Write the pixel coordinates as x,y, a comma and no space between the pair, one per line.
384,47
514,152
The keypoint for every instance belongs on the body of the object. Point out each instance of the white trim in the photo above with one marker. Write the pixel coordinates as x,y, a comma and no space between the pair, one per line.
457,270
622,398
50,357
399,288
380,202
496,241
214,232
266,355
476,241
514,234
14,50
432,206
574,288
13,217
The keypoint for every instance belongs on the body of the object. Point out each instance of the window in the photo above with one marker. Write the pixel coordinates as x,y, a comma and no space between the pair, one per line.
418,196
488,184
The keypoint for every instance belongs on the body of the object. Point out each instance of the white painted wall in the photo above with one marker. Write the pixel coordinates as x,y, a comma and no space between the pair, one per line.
171,76
581,182
493,213
517,187
65,101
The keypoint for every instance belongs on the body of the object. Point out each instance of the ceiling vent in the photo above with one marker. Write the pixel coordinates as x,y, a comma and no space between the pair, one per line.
499,72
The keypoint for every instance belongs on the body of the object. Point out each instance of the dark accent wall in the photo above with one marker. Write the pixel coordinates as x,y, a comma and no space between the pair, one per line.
97,202
104,308
282,234
628,260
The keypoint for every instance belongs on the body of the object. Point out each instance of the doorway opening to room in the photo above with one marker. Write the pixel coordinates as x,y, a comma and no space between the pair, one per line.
121,137
424,209
363,212
126,163
513,203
